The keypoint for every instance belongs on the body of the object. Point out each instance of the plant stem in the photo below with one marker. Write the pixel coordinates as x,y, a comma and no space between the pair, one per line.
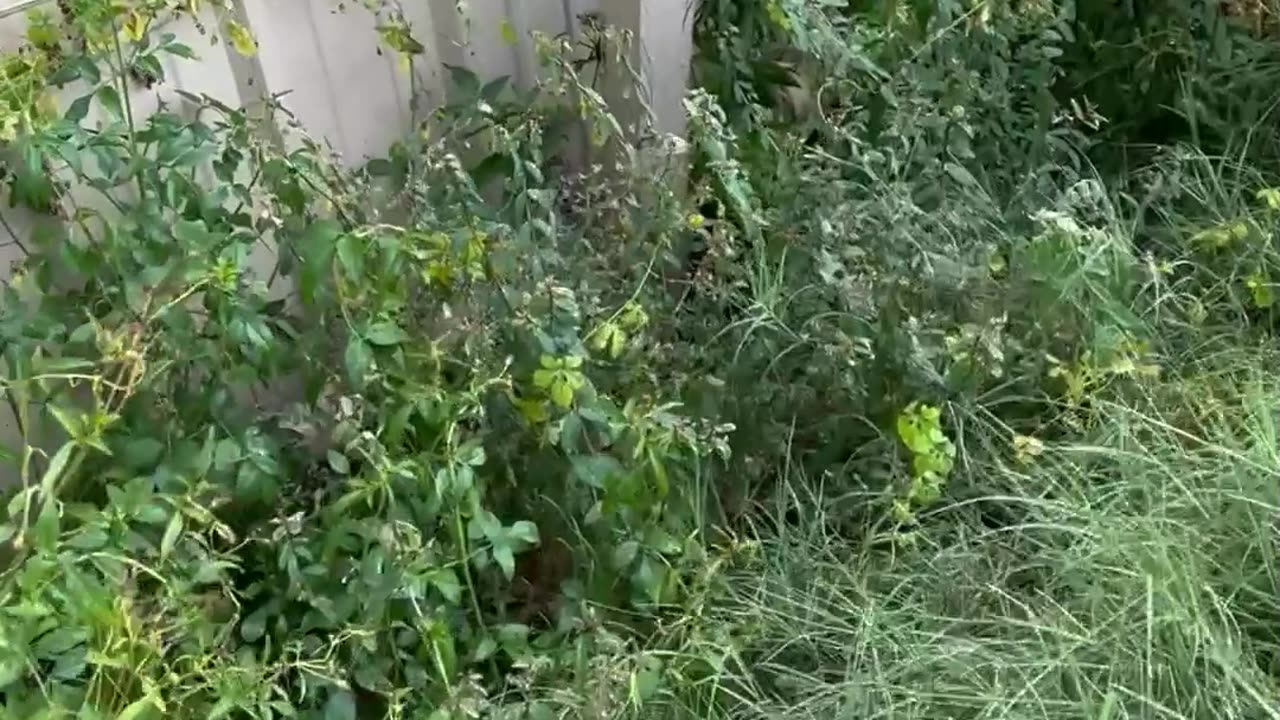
122,77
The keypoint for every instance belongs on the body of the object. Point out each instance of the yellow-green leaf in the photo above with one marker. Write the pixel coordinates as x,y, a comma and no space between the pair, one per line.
134,26
136,709
1270,197
1264,295
609,338
398,37
562,393
543,378
633,316
508,33
241,39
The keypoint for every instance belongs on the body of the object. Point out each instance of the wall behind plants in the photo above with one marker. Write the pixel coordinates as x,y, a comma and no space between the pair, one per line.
357,76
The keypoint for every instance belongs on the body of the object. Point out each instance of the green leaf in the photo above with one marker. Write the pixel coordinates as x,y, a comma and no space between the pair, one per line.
110,99
644,683
47,528
494,166
524,531
513,636
472,454
149,67
78,109
358,359
485,525
397,424
446,581
624,554
87,68
60,364
351,256
192,233
252,628
467,82
572,433
316,248
385,334
961,175
595,470
172,532
506,560
543,378
67,73
59,640
135,709
338,462
561,391
226,455
380,167
340,706
69,665
485,649
83,333
141,453
180,50
71,420
90,537
650,577
20,501
53,475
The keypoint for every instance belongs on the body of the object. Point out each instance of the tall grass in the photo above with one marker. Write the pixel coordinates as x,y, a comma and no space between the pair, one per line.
1132,573
1130,570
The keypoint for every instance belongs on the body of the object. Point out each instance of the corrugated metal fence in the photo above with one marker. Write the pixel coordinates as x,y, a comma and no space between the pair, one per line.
325,53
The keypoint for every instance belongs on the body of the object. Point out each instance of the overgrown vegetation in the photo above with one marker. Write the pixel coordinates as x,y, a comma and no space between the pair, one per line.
942,389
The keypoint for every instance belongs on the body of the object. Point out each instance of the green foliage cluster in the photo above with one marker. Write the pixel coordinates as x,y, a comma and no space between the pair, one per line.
284,457
937,390
1014,272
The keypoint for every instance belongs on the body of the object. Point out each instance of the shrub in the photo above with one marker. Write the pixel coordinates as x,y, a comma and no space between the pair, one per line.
399,469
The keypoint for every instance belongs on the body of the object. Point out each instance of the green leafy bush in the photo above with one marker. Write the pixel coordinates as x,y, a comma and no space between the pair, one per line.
395,469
